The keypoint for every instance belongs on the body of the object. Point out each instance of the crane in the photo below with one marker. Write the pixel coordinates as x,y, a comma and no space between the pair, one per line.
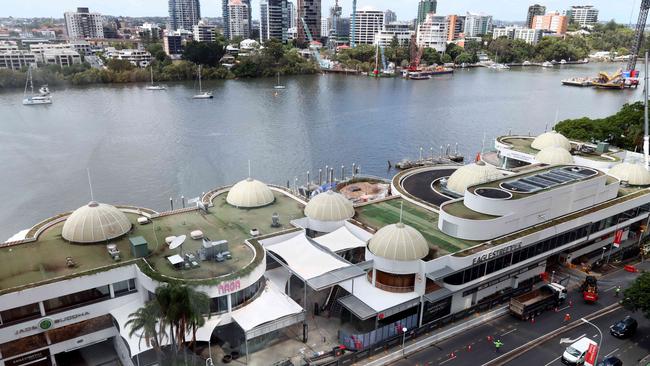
415,53
638,34
314,51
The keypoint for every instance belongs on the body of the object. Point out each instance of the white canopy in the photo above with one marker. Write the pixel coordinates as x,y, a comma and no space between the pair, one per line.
204,333
304,259
340,239
271,305
279,276
377,299
121,314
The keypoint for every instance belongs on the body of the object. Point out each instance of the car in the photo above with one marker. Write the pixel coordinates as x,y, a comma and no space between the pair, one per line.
610,361
575,353
624,328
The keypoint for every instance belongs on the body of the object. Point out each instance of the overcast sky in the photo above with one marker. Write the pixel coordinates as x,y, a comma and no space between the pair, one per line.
620,10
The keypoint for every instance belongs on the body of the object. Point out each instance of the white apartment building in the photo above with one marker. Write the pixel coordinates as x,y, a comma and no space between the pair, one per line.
238,21
399,30
477,24
369,22
530,36
585,15
83,24
432,33
61,57
204,32
15,60
140,58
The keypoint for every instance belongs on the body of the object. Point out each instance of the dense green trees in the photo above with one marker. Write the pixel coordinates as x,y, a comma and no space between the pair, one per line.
623,129
637,296
204,53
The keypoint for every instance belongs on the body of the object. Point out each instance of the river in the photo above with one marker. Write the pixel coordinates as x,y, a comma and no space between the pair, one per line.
143,147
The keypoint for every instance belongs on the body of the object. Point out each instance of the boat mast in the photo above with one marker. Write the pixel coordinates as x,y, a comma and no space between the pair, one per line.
646,137
200,89
151,68
31,80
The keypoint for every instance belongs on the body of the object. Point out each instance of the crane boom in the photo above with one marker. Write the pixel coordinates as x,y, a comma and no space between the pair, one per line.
638,34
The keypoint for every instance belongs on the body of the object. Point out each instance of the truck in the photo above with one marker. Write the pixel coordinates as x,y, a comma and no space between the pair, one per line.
589,289
532,303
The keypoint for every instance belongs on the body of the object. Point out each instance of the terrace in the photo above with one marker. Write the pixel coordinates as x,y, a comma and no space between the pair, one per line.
380,214
46,258
522,144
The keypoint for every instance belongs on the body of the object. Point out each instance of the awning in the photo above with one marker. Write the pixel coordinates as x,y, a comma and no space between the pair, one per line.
340,239
121,314
440,273
438,294
204,333
271,310
279,276
304,259
379,300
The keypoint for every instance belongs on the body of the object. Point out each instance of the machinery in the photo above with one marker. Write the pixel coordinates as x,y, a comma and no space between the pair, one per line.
589,289
535,302
416,54
324,64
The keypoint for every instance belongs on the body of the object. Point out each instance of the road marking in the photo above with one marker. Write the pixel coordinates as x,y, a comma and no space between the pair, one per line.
508,332
566,307
447,360
610,289
609,354
555,359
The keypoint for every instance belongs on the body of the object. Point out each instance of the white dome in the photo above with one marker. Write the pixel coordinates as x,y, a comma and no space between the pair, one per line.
471,174
95,222
399,242
634,174
250,193
549,139
554,155
329,206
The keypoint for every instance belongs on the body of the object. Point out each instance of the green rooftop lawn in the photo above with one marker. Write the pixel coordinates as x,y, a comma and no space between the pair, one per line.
459,209
45,258
378,215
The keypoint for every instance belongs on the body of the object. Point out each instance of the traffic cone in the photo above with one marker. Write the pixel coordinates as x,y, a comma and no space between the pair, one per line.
532,320
452,355
489,338
557,310
469,347
570,302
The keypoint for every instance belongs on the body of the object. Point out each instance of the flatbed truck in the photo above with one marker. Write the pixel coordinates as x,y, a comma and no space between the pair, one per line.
533,303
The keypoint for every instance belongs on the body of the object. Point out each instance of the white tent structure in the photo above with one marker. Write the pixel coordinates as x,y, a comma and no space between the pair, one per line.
366,300
341,239
136,344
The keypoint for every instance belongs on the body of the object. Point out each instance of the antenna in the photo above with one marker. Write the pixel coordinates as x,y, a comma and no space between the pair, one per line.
249,168
90,184
401,209
557,113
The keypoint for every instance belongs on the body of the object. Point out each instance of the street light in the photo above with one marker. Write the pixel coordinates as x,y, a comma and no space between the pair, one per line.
552,276
600,343
403,341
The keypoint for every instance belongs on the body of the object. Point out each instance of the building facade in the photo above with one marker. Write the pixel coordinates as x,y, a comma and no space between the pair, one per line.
369,22
83,24
173,45
184,14
274,16
528,35
15,60
204,32
63,57
310,12
433,33
238,21
139,58
533,11
396,30
455,27
425,7
477,24
553,22
585,15
292,14
389,16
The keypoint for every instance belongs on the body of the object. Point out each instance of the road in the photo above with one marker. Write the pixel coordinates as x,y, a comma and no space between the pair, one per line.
473,348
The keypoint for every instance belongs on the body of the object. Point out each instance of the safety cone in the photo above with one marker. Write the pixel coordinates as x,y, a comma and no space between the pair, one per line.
469,347
557,310
570,302
532,320
489,338
452,355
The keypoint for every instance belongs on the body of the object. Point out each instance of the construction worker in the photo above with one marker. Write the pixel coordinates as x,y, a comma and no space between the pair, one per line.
567,317
497,345
618,290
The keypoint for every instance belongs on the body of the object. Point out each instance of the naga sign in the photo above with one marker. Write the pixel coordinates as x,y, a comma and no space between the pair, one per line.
228,287
496,253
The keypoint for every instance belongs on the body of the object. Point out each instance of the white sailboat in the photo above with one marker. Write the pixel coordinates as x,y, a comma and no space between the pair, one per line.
34,99
278,85
154,86
202,94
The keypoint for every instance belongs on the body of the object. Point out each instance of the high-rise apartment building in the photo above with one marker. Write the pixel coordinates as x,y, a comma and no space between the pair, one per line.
585,15
184,14
204,32
477,24
292,14
455,26
425,7
433,33
83,24
533,11
226,18
368,23
310,11
239,24
389,17
553,22
528,35
274,20
396,30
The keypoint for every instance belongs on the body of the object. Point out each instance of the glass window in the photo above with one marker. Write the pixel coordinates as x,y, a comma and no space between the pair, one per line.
124,287
77,299
19,314
219,304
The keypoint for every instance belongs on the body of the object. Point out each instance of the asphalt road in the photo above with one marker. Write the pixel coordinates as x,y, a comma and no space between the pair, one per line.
473,348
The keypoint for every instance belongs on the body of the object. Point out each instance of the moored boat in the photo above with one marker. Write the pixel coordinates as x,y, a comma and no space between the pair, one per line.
577,82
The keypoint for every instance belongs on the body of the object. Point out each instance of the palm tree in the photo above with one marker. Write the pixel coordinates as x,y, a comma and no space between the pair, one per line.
145,321
198,304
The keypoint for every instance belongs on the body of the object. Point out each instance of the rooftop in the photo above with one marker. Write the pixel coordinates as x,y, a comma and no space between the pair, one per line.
523,144
380,214
45,259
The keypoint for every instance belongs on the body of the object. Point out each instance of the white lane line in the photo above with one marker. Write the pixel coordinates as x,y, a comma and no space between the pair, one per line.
508,332
610,289
566,307
609,354
555,359
447,360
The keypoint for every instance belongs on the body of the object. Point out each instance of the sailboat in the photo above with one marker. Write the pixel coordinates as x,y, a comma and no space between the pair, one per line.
497,65
278,85
34,99
154,86
202,94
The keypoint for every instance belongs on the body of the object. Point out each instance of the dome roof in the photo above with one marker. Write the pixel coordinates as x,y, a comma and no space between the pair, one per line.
398,242
329,206
554,155
634,174
549,139
471,174
250,193
95,222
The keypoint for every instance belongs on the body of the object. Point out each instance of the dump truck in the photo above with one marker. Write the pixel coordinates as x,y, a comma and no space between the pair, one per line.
589,289
534,302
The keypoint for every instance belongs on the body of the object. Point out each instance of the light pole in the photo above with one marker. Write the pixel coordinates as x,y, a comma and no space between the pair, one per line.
552,276
600,343
404,341
209,352
602,255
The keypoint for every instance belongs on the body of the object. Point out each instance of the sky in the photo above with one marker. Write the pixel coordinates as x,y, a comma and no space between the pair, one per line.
513,10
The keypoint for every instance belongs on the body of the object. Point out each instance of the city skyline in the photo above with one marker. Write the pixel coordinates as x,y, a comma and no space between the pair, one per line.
508,10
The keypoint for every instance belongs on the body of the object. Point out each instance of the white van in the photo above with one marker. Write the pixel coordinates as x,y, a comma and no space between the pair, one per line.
575,353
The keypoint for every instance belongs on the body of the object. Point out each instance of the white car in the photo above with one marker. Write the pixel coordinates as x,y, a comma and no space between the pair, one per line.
575,353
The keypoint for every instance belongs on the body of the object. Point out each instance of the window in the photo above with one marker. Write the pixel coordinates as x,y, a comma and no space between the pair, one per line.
246,294
19,314
77,299
219,304
124,287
